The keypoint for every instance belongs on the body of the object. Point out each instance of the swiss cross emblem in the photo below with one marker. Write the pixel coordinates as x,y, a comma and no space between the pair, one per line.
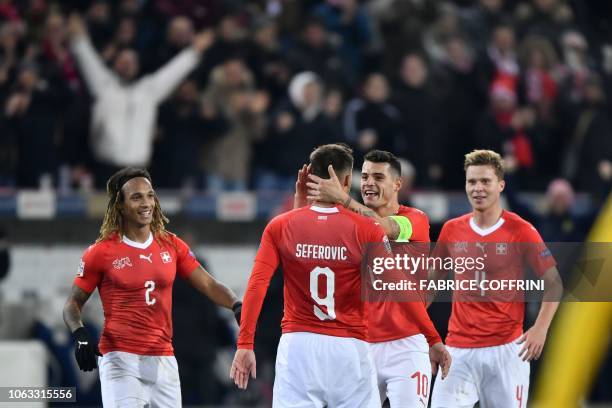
165,257
501,248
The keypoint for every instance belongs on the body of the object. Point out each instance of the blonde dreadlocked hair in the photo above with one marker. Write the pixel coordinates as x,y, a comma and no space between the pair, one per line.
113,223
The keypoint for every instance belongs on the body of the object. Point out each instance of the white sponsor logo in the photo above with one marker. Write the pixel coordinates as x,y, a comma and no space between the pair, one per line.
461,246
148,258
165,257
122,263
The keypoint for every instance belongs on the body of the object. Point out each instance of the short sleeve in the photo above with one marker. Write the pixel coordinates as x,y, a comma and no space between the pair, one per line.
90,270
536,253
186,261
420,227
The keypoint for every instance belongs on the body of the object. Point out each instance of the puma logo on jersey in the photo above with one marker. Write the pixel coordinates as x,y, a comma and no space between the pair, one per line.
148,258
481,245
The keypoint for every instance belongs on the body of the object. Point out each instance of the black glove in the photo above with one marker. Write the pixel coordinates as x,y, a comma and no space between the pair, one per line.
237,309
86,350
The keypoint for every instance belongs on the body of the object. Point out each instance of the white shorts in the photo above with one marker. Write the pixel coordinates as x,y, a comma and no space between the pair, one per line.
496,376
135,381
403,370
316,371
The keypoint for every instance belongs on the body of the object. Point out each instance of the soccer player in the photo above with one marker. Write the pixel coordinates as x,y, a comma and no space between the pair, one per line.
400,333
490,352
322,359
133,264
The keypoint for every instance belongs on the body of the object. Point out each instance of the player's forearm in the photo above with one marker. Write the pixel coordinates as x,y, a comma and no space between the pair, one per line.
546,314
221,295
72,315
388,225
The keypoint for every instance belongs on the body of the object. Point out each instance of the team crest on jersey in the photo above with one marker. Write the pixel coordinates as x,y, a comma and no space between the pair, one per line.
501,248
165,257
81,270
121,263
461,246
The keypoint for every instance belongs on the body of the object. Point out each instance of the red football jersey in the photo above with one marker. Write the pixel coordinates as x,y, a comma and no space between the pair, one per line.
492,323
135,284
392,320
320,251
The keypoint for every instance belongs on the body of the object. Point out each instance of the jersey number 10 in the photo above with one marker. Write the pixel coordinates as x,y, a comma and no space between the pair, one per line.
328,300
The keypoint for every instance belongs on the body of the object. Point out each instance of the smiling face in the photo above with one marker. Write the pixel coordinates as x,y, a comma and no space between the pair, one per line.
483,187
379,184
138,202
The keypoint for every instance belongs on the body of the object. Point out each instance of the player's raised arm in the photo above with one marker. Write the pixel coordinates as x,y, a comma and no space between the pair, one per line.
330,190
86,349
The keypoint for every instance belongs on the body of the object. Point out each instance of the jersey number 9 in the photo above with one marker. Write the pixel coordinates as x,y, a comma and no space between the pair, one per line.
328,300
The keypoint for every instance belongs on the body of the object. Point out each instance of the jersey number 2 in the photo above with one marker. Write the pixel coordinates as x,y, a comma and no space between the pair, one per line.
150,285
328,300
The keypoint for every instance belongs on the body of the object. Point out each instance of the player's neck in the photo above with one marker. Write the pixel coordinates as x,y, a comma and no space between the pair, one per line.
137,234
389,209
487,218
323,204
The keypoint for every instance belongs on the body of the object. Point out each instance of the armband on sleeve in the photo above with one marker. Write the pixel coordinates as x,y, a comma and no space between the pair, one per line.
405,228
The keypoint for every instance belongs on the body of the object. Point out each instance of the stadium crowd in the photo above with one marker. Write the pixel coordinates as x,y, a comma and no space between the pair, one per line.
428,80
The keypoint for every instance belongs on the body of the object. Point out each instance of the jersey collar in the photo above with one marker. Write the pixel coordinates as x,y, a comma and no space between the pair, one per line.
325,210
139,245
486,231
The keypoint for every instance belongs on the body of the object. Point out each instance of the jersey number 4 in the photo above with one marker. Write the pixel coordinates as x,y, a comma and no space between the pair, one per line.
328,300
150,285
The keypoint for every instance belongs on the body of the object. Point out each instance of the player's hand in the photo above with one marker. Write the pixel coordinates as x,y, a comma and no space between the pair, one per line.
301,189
85,351
243,365
76,26
326,190
202,41
439,357
533,343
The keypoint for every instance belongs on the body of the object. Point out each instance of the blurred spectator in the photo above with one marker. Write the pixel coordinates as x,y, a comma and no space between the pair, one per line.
179,34
576,67
372,122
347,19
124,38
480,19
500,58
266,59
297,126
315,51
464,98
559,221
588,159
183,129
231,92
421,119
546,18
99,23
33,108
538,82
125,108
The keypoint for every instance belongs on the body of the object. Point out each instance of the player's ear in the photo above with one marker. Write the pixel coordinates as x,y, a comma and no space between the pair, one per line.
397,183
346,180
502,184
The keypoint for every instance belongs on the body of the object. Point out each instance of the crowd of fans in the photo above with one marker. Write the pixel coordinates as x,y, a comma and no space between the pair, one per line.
87,87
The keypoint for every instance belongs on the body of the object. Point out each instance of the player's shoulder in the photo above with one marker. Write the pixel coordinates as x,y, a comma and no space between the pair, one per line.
414,214
458,221
513,220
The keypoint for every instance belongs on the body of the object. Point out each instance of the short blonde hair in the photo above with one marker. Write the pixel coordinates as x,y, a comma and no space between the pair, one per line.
485,158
